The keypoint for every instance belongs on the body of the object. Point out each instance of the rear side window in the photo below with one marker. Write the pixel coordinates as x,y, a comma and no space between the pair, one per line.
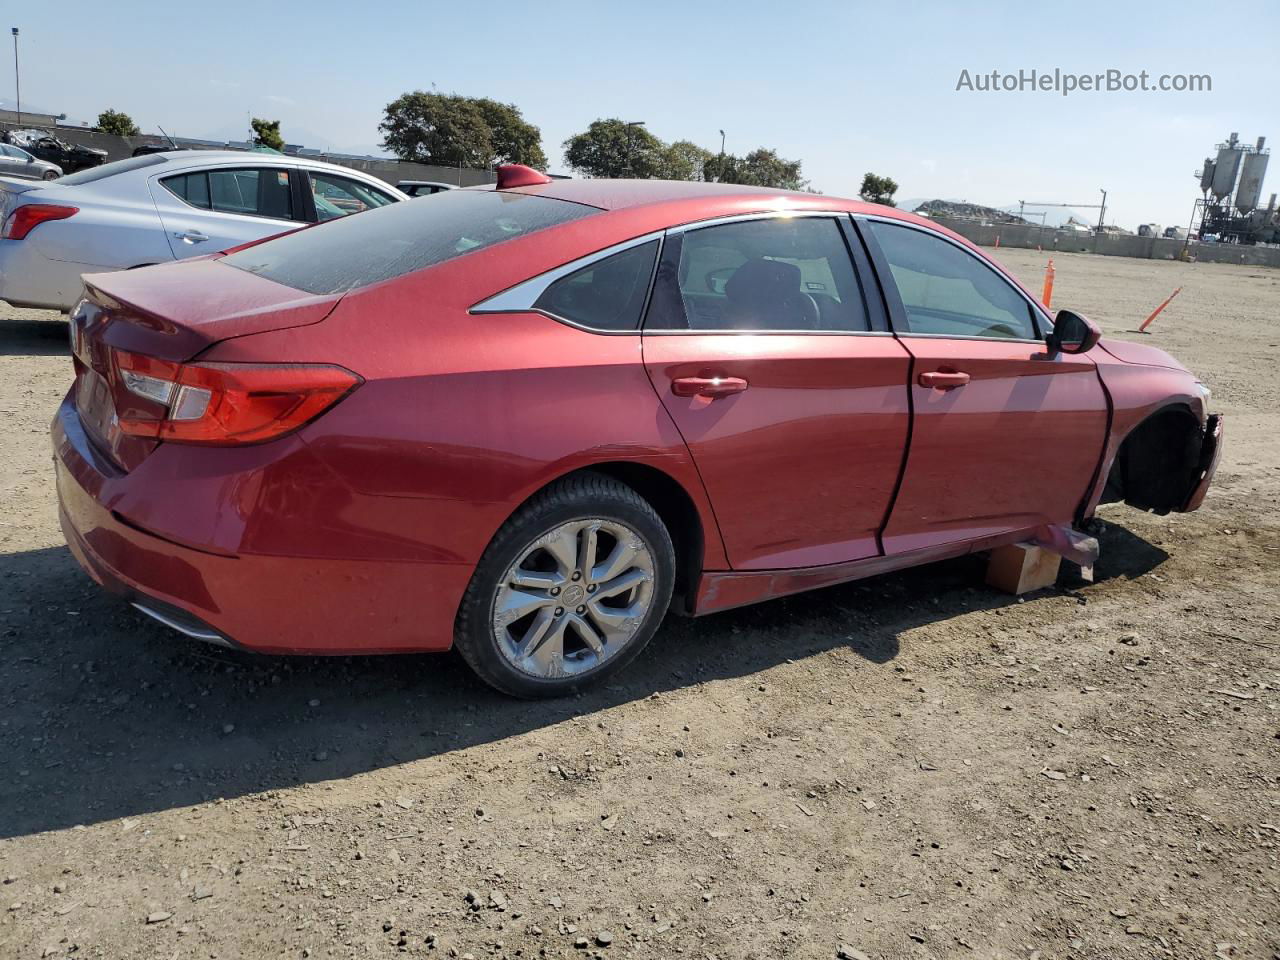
948,292
606,295
397,239
94,174
256,192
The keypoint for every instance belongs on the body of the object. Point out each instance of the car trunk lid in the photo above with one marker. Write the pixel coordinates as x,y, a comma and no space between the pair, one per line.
171,313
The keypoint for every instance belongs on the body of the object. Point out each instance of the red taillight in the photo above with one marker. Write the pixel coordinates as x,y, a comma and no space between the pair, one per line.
30,215
227,403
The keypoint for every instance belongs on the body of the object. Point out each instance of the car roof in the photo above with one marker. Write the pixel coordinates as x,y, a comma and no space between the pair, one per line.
689,200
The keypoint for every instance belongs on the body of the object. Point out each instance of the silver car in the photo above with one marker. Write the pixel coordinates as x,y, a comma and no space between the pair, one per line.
162,207
16,162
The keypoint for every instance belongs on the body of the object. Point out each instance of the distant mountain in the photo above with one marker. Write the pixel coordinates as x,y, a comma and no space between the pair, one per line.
1053,216
963,210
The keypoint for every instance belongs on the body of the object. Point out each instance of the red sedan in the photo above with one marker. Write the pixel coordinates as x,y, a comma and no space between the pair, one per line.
529,421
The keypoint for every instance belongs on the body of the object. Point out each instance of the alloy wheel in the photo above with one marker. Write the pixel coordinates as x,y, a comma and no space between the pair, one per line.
574,598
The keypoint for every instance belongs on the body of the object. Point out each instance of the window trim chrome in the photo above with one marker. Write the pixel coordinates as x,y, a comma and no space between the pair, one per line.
522,297
1037,309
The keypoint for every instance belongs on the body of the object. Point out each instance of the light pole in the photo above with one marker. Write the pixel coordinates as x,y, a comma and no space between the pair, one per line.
631,125
17,85
1102,212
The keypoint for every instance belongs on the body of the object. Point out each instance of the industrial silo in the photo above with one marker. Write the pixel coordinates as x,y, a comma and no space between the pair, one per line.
1206,175
1251,174
1226,167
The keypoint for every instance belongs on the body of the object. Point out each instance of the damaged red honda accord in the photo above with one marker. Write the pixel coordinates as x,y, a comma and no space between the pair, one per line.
530,420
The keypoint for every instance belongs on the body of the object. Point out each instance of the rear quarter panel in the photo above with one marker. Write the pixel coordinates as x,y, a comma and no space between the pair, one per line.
463,417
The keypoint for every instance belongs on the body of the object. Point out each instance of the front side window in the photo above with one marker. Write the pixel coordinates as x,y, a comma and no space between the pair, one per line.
605,295
399,238
949,292
777,273
338,196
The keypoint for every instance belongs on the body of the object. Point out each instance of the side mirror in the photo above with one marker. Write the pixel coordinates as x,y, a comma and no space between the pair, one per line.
1072,333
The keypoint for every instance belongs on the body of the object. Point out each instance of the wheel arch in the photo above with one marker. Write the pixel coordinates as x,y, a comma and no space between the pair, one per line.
1155,462
675,505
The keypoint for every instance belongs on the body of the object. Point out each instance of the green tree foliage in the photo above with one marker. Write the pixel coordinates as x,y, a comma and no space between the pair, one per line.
877,189
514,139
759,168
115,122
683,160
613,148
266,133
447,129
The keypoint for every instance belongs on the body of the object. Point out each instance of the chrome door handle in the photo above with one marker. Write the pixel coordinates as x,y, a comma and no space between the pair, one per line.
191,236
707,386
944,379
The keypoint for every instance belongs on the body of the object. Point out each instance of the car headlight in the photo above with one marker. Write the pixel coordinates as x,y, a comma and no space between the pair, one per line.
1205,392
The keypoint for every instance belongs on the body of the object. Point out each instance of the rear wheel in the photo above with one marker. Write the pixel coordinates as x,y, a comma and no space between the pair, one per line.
570,590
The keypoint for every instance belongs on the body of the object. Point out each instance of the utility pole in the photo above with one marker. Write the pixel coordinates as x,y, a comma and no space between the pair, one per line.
17,83
1102,213
631,125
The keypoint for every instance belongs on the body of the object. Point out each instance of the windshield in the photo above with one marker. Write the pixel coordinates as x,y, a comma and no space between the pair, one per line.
400,238
93,174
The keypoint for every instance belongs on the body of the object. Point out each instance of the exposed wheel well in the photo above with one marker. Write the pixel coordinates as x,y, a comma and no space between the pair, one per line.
1156,464
675,507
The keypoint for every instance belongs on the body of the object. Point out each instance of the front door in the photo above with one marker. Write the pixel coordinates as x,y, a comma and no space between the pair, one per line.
1005,436
785,384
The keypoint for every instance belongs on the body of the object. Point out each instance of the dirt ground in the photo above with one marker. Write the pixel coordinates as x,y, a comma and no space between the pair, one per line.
909,766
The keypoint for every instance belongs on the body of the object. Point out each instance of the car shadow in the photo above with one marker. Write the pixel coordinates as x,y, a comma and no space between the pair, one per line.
108,715
33,338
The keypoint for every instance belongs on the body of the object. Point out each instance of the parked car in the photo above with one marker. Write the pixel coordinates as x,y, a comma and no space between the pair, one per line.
162,207
150,148
422,188
530,420
16,162
69,156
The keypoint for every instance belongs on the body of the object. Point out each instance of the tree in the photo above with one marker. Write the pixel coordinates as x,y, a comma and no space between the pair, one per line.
117,123
683,160
612,148
877,189
447,128
266,133
759,168
514,139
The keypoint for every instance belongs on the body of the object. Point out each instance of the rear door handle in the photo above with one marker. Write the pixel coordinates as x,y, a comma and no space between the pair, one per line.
191,236
707,386
944,379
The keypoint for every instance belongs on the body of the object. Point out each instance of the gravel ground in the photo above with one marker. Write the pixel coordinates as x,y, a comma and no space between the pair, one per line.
909,766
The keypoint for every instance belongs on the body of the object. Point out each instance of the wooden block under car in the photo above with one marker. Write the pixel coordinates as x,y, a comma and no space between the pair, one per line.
1022,567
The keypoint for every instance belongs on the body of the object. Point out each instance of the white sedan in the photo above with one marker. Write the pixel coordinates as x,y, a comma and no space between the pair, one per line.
158,208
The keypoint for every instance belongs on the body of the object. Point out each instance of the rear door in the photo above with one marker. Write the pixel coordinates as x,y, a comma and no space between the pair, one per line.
1005,435
205,211
783,380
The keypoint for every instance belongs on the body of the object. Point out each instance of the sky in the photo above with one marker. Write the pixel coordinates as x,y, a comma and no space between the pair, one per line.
844,87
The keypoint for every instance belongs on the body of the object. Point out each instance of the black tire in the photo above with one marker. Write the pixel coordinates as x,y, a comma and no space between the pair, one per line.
582,496
48,175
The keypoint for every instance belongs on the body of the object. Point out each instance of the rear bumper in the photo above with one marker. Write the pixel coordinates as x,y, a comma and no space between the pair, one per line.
30,279
1210,454
264,603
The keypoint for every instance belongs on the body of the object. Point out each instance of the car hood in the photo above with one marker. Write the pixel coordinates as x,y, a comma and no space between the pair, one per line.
1140,353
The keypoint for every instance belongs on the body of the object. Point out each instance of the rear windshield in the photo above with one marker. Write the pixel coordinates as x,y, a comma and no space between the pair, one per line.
394,240
94,174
